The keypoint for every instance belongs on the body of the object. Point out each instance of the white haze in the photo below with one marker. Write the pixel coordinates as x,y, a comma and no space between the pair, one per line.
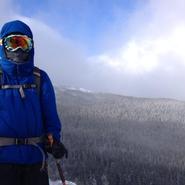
147,60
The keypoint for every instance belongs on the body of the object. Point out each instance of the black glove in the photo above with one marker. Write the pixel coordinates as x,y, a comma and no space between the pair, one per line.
59,150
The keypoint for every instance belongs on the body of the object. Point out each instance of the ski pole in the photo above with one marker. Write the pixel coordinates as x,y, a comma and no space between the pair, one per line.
60,171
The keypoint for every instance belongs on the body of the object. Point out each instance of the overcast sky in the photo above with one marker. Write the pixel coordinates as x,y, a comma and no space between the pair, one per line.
129,47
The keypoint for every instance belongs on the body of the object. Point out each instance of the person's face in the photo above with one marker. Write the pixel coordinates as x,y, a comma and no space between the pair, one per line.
17,48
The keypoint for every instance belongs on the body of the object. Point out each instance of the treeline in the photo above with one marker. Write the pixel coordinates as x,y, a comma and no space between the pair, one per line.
104,150
122,107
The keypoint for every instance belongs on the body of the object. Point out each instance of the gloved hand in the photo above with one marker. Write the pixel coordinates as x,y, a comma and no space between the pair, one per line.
56,148
59,150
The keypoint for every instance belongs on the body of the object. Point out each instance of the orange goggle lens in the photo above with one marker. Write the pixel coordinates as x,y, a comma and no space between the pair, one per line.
14,42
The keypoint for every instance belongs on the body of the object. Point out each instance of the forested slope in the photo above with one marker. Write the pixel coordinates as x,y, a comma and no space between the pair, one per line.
118,140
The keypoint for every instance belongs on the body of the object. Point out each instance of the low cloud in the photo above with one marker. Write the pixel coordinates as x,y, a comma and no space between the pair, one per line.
151,61
60,57
147,60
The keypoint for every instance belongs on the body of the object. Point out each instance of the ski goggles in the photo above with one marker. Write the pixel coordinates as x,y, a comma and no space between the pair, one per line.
14,42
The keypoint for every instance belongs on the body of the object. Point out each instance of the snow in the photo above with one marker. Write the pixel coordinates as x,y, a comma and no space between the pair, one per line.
60,183
79,89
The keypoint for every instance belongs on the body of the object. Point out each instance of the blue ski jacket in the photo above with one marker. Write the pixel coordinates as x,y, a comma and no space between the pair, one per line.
32,116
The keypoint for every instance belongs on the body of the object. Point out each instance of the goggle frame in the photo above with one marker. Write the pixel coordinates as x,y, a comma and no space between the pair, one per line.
28,41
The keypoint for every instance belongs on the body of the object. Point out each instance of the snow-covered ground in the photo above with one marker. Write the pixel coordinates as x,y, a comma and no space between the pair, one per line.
60,183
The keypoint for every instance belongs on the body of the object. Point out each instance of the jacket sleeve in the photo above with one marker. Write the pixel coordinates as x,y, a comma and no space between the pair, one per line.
50,117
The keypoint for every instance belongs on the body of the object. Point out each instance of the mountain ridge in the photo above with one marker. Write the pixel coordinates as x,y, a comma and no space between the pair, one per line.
124,107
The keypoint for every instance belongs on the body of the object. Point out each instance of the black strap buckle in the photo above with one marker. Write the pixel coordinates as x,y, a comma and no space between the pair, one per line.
21,141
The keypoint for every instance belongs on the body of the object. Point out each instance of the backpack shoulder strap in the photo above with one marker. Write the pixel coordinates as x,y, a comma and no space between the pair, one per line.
1,76
37,76
36,72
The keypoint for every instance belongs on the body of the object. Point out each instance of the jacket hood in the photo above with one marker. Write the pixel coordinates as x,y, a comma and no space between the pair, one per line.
7,65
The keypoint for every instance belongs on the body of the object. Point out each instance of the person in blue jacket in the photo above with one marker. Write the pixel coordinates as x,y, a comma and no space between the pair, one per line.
28,114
